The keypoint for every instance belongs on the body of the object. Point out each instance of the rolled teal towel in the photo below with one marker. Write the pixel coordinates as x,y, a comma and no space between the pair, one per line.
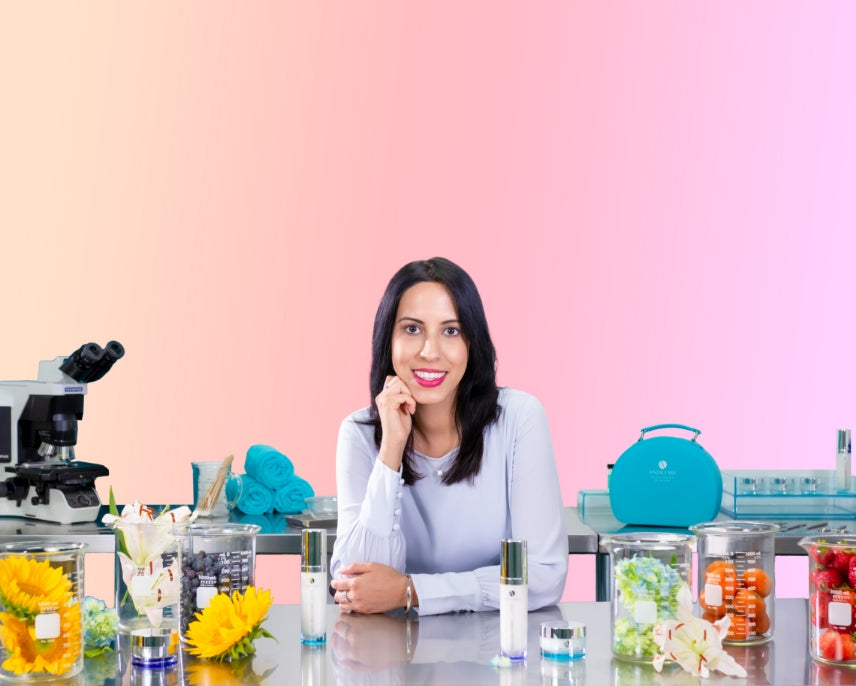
291,498
248,495
268,466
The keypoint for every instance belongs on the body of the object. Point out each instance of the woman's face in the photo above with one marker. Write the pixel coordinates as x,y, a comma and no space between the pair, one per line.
429,352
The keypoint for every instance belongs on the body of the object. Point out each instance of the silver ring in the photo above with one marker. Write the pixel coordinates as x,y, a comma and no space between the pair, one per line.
343,597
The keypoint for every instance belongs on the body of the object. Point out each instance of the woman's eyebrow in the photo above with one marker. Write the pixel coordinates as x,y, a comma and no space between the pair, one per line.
419,321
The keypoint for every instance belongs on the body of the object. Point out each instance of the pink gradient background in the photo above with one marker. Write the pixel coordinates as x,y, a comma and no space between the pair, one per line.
656,202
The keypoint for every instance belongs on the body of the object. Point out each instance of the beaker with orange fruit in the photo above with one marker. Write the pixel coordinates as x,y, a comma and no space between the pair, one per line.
736,577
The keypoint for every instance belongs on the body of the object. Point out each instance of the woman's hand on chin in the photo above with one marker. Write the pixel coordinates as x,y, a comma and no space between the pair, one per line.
395,407
371,587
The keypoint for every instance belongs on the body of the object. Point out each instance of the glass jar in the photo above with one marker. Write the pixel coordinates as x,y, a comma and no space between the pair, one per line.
204,476
146,582
648,570
736,577
832,598
41,596
215,558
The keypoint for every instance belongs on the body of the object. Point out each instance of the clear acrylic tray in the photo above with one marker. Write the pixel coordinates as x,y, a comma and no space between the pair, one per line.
593,502
786,494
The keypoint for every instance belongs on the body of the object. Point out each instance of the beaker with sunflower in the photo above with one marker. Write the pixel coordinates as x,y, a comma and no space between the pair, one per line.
41,623
147,576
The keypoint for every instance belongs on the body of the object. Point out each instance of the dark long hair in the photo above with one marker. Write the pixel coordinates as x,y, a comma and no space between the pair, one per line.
476,405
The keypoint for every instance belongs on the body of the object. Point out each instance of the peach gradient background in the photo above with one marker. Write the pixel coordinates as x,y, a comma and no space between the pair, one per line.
656,201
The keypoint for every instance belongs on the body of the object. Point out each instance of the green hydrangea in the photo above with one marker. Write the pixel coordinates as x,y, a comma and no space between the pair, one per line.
636,579
100,626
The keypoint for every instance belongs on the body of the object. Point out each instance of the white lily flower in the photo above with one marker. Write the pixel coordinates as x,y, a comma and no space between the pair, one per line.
694,643
153,587
146,537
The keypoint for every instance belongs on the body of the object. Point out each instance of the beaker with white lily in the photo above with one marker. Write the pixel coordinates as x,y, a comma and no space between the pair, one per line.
148,575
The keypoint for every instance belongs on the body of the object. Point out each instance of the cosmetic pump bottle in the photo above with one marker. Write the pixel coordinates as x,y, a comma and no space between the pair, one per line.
513,599
313,586
842,461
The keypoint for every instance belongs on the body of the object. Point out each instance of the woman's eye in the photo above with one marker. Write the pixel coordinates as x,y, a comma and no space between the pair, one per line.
453,331
411,328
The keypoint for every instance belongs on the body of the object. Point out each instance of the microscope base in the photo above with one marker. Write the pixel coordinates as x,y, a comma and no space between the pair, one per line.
72,507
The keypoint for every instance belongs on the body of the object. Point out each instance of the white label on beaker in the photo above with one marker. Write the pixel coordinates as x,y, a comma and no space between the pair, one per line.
204,595
713,594
645,612
839,613
47,626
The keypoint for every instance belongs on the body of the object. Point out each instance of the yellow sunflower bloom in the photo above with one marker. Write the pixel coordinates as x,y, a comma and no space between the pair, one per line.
227,628
27,654
28,587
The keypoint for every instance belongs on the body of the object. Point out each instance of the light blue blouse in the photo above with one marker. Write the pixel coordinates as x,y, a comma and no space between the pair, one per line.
448,537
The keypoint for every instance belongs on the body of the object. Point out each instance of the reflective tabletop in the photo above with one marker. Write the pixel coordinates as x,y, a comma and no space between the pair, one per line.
459,649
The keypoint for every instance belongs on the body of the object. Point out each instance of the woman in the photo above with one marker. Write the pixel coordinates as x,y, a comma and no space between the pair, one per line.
444,464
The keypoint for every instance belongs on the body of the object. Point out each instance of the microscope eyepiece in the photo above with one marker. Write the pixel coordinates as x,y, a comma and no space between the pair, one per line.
81,362
90,361
112,352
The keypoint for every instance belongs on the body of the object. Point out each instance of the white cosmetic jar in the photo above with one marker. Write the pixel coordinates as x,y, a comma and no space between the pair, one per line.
563,640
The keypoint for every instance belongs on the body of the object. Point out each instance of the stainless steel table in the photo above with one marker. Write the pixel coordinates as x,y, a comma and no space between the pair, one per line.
454,649
274,538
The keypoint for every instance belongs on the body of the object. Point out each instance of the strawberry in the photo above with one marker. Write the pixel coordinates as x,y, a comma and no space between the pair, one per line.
851,572
835,646
841,563
825,579
822,555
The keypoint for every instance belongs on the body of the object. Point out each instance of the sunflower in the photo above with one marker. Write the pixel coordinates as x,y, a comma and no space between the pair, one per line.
27,654
226,629
29,587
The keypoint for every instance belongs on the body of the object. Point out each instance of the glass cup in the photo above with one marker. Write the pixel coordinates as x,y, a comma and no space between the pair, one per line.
832,601
215,558
781,485
736,577
750,485
146,573
41,595
648,570
204,474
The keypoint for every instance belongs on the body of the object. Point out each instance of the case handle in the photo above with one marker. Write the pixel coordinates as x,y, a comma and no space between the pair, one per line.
696,432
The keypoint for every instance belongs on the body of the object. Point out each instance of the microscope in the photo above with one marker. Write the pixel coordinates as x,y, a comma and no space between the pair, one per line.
38,432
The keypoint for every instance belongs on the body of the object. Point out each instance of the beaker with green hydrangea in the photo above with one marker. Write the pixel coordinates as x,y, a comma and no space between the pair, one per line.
648,570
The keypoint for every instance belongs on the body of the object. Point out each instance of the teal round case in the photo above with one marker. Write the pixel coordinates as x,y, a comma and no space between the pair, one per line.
665,481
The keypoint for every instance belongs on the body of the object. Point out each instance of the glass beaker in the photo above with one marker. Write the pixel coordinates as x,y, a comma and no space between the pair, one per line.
204,475
736,577
41,596
648,570
215,558
831,598
146,581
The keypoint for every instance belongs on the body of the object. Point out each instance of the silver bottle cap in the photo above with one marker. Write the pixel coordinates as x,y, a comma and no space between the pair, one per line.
313,550
563,630
844,440
513,564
